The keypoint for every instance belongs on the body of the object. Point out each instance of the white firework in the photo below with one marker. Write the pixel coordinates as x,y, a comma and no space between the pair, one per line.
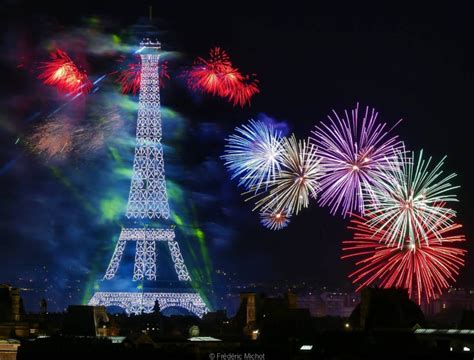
275,220
298,179
254,154
410,201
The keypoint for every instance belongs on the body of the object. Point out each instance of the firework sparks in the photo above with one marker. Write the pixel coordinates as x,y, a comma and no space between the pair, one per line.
62,73
410,200
129,77
254,154
214,76
298,179
164,73
275,220
243,92
53,139
217,76
424,268
61,137
356,154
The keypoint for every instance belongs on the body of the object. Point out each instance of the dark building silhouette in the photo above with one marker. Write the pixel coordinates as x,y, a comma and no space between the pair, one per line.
386,309
246,316
43,306
271,318
467,320
84,320
12,313
11,305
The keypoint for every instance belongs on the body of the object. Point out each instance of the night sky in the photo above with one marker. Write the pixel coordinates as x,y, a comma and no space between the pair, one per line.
64,213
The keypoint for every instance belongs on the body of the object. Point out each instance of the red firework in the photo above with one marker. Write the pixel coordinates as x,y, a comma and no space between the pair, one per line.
129,77
423,266
244,92
164,73
214,76
217,76
62,73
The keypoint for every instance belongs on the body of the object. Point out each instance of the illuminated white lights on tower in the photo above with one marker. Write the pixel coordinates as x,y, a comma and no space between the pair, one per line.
148,200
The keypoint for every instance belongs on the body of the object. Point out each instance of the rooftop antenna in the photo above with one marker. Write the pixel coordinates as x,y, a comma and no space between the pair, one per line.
150,13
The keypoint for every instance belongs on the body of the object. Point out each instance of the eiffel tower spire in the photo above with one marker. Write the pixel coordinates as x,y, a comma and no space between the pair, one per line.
148,197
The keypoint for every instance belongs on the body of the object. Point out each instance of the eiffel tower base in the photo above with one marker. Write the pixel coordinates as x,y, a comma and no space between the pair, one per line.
144,302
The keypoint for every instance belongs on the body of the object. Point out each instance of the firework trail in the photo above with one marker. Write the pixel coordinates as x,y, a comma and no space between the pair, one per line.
410,200
299,178
217,76
129,77
63,74
275,220
356,155
254,154
425,268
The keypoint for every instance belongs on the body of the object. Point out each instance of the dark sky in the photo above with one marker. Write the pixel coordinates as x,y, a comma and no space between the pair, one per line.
415,67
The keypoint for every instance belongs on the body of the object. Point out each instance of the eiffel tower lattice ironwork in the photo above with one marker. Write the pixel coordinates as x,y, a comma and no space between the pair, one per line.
148,203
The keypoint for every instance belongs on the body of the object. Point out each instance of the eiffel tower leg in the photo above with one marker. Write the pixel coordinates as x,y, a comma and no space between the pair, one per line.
115,261
179,266
150,260
139,267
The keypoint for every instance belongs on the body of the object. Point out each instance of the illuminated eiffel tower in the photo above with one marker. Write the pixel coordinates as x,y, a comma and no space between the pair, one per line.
148,214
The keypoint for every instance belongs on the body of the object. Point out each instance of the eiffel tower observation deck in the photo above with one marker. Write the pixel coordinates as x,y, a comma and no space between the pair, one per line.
149,232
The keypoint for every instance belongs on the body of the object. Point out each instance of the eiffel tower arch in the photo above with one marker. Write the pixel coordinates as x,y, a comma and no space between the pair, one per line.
148,217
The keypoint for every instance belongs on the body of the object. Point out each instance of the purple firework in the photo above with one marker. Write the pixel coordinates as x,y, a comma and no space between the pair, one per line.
355,154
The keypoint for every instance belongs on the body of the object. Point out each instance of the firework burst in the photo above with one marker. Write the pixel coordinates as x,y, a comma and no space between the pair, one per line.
275,220
254,154
129,77
62,73
217,76
410,200
298,179
424,268
243,92
355,155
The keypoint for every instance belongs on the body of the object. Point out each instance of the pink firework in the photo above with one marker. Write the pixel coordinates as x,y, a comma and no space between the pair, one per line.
356,155
63,74
425,268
